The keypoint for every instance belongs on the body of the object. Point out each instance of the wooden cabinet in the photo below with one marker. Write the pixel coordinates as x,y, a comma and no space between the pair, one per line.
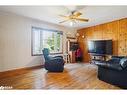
72,56
71,48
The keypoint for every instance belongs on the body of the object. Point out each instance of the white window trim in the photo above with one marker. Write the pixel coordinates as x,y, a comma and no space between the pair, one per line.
33,39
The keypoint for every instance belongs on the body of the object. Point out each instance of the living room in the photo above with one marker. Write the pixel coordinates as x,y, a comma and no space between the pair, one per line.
63,47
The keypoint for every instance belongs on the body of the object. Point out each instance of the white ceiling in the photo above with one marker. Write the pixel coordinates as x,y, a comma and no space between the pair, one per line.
95,14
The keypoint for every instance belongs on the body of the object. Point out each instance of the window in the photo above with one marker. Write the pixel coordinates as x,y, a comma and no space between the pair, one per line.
44,38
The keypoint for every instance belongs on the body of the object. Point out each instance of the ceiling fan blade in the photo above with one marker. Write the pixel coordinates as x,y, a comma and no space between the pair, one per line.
63,16
81,19
64,21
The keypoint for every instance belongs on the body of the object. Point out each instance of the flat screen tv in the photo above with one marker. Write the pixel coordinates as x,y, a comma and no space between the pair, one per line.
100,47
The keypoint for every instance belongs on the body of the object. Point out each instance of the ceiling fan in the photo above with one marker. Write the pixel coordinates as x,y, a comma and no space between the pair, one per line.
73,17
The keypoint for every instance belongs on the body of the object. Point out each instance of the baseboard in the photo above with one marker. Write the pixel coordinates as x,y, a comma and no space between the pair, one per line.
22,69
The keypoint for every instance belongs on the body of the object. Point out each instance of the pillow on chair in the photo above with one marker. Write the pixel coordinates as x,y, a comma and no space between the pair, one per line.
123,62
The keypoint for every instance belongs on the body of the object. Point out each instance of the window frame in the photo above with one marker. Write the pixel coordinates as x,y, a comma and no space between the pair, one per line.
46,30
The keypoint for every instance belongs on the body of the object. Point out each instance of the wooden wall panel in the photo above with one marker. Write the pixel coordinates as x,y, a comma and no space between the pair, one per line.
82,43
98,32
88,36
110,31
122,42
116,30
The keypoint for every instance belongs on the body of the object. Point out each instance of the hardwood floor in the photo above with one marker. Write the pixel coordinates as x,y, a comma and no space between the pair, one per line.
75,76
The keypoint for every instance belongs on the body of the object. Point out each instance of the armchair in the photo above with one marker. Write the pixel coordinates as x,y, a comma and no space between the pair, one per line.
53,64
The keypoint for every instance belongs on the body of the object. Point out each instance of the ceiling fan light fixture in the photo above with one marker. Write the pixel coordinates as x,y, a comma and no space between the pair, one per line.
72,22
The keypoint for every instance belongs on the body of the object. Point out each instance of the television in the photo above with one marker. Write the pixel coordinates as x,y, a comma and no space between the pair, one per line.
100,47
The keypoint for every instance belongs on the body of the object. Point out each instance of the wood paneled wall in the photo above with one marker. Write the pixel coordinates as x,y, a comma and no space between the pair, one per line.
116,30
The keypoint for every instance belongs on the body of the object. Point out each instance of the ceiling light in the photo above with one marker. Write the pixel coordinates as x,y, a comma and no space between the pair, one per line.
83,36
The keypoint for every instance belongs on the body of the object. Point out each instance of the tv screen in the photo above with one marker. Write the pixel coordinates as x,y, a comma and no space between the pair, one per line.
100,47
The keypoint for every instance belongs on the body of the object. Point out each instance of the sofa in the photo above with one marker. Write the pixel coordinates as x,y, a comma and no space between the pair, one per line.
113,71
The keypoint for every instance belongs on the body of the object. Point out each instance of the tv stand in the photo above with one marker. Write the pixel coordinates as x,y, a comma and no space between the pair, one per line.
97,58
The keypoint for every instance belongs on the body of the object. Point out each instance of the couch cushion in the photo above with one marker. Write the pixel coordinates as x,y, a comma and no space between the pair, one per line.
110,65
123,62
114,66
114,61
119,57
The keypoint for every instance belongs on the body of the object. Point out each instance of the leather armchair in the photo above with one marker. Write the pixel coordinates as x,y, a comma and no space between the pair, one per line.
53,64
114,71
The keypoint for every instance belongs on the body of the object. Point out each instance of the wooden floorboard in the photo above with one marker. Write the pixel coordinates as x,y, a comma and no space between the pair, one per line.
75,76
